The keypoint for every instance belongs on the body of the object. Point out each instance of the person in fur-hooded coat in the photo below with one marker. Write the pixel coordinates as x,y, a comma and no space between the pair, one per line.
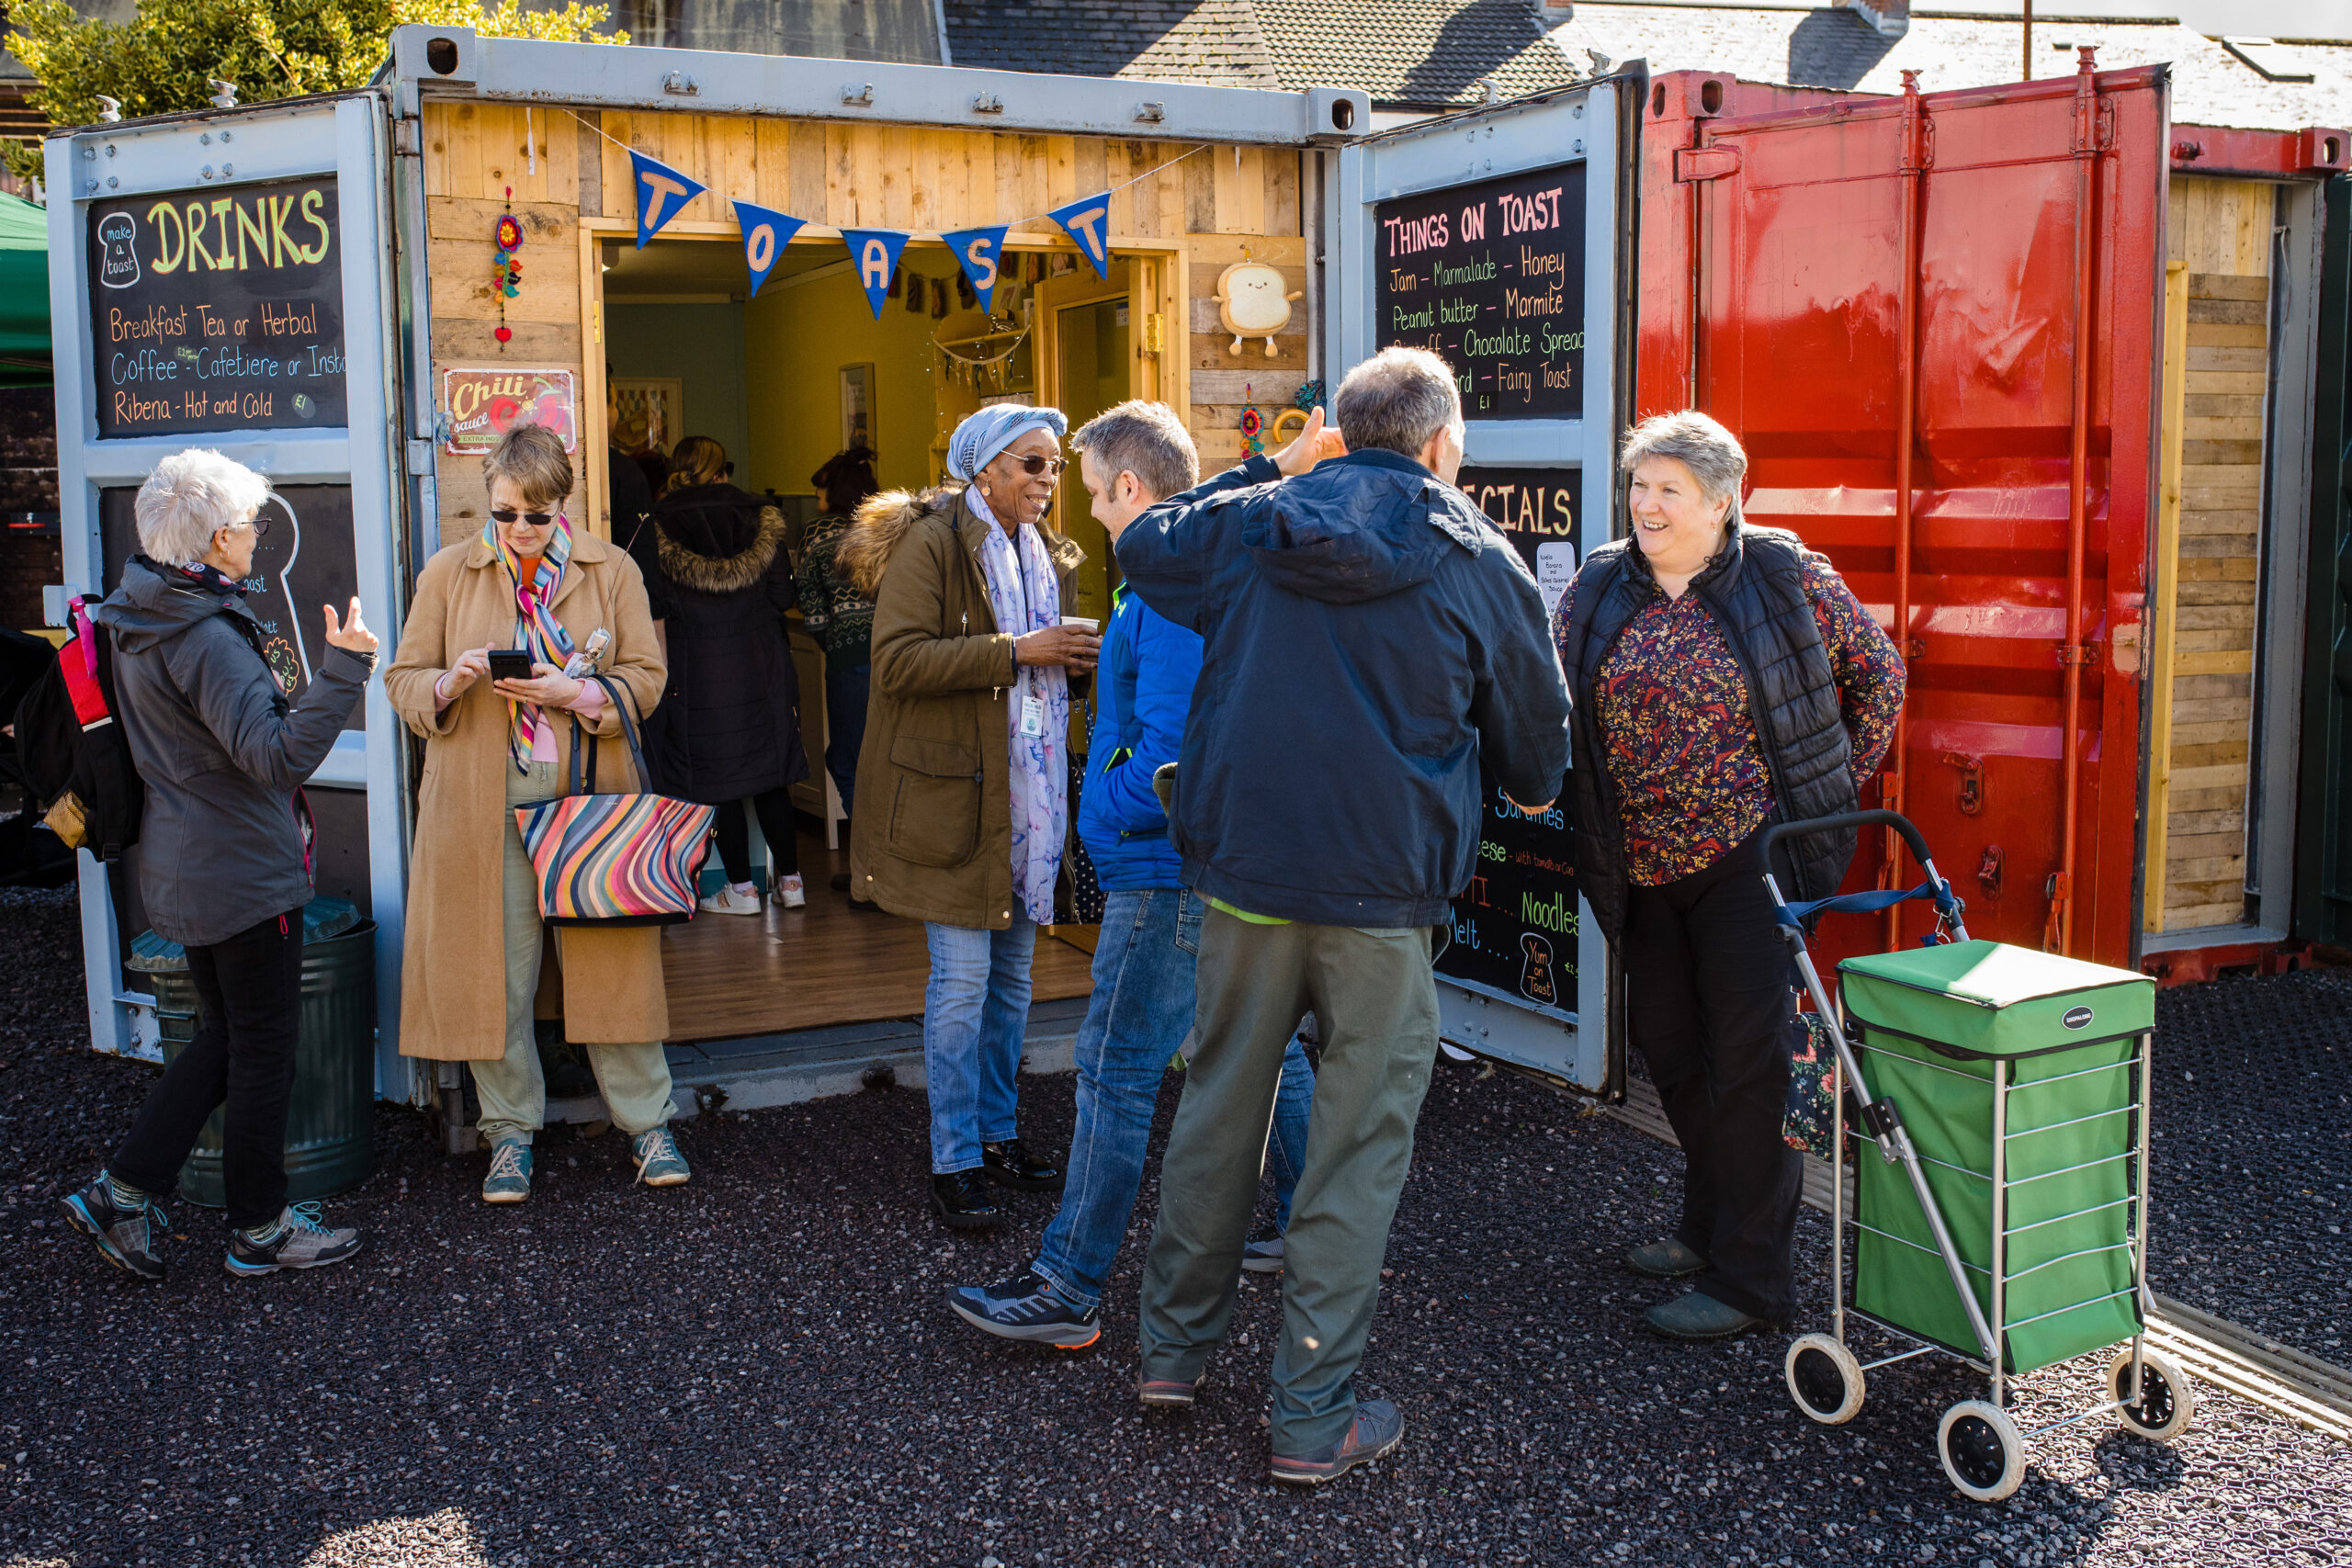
933,837
719,580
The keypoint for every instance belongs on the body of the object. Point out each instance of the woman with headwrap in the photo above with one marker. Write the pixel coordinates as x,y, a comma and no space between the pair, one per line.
962,780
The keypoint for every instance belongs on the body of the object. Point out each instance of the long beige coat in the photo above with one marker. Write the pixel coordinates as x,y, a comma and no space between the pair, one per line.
453,979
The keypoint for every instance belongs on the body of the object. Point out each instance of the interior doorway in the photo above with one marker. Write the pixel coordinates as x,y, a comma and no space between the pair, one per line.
783,381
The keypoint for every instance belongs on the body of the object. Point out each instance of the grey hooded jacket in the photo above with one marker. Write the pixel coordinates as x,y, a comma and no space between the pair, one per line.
221,753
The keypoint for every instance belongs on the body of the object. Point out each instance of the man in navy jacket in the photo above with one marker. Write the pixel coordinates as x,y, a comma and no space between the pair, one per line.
1130,459
1371,641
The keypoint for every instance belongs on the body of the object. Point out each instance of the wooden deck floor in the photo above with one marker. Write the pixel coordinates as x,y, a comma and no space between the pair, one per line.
733,974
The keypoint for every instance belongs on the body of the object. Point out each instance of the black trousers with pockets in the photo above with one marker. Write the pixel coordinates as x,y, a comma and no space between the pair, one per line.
249,1016
1707,1000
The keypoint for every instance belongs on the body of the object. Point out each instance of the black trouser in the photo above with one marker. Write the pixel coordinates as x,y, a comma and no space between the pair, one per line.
249,1015
1708,1002
775,808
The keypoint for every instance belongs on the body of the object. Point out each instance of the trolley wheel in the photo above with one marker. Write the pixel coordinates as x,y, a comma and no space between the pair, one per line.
2166,1404
1824,1379
1982,1450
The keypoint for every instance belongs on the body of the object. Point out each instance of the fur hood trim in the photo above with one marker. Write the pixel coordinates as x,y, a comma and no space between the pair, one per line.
732,574
882,521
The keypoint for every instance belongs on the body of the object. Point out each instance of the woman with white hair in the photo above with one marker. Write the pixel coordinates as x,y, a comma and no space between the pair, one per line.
1724,677
224,863
963,778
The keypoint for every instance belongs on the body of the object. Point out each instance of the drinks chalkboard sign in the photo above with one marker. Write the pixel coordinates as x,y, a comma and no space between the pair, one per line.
307,559
1515,926
1490,276
218,309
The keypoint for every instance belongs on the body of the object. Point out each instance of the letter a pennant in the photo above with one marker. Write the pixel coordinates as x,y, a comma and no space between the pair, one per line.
765,233
979,252
875,252
662,191
1088,220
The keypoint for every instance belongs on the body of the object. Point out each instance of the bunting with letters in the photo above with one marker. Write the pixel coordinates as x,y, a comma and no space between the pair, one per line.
765,233
661,192
978,253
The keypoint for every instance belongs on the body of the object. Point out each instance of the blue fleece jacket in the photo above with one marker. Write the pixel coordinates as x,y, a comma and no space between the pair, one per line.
1371,642
1142,694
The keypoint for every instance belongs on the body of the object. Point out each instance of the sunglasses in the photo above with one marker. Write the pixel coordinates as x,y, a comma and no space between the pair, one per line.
536,519
259,524
1035,464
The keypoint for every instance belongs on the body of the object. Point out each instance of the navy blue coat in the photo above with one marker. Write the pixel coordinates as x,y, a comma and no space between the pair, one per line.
1371,640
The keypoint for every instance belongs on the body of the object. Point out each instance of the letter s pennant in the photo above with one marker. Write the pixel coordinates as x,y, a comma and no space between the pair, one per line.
662,191
876,254
980,253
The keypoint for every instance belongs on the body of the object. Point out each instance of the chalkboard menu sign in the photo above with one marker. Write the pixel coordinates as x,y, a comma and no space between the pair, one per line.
218,309
1490,276
1515,926
306,559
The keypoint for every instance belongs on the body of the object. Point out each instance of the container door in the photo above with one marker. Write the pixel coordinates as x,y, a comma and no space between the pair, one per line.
223,280
1496,240
1932,319
2323,847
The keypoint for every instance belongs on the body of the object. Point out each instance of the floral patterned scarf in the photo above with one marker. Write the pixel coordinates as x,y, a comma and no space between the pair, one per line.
1026,596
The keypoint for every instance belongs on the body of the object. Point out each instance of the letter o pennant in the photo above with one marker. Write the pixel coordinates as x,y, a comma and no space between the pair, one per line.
765,233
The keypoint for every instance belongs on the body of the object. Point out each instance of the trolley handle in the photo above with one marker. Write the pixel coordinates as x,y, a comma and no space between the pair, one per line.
1806,829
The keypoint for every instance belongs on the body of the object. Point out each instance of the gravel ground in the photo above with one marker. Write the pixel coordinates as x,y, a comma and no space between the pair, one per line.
2251,1182
756,1369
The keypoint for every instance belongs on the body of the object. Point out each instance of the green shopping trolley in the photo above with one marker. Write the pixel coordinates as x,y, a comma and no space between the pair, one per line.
2005,1221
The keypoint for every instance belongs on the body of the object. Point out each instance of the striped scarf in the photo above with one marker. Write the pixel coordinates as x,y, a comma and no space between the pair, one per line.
535,628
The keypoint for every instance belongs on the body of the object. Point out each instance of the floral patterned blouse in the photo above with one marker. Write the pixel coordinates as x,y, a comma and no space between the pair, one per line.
1677,740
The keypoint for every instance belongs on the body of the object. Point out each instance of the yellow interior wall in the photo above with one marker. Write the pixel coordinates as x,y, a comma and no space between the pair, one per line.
795,342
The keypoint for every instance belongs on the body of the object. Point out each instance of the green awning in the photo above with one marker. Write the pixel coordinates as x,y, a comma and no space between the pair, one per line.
24,294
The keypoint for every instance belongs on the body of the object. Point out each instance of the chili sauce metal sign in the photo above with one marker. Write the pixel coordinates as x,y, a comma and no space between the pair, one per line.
1491,277
1515,926
217,311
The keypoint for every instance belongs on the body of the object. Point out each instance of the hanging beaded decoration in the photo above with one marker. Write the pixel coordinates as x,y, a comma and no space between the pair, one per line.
507,273
1253,423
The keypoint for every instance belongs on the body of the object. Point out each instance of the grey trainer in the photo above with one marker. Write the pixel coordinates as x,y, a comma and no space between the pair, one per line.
126,1236
306,1242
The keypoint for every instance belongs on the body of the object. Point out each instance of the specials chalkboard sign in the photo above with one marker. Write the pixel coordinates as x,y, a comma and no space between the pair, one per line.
1491,277
218,309
307,557
1515,926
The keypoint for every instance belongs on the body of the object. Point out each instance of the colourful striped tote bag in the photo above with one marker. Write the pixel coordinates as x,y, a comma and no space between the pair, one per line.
620,860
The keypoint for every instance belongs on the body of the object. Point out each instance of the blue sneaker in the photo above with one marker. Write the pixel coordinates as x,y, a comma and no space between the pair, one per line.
125,1236
509,1180
1027,1306
659,1163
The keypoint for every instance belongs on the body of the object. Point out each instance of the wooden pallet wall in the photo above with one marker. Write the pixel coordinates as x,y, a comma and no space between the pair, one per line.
1204,209
2220,230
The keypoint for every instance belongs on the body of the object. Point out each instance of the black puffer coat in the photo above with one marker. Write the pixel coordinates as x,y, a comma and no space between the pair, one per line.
717,575
1754,590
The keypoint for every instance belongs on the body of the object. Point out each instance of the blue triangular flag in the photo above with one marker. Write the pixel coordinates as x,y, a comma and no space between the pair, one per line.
660,192
1088,220
979,251
765,233
875,252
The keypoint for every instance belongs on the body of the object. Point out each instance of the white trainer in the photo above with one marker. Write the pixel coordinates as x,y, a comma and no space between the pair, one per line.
732,900
790,894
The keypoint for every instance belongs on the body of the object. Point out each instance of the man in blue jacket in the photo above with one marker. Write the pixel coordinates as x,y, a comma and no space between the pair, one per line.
1371,641
1130,459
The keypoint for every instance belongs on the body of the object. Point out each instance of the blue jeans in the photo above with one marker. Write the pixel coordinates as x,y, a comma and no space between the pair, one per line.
845,695
1138,1019
975,1008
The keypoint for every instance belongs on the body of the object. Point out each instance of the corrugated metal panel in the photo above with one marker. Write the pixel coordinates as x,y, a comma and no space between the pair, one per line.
1939,266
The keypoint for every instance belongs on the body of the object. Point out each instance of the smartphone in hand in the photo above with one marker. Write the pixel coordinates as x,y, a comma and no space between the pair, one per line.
509,664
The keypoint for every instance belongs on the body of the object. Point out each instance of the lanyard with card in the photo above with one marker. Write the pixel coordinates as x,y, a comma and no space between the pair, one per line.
1033,715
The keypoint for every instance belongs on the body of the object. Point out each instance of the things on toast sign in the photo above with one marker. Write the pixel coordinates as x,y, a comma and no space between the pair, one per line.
218,309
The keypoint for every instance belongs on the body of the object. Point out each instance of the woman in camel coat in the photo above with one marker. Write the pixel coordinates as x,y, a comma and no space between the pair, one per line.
473,941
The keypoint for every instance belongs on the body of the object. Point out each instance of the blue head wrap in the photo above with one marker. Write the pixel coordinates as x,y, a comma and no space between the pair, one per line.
994,428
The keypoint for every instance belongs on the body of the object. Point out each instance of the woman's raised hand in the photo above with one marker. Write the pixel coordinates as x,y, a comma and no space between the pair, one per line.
351,635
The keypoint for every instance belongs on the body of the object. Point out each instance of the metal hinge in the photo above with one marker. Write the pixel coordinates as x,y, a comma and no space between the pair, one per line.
1154,333
420,458
1694,163
408,138
2078,653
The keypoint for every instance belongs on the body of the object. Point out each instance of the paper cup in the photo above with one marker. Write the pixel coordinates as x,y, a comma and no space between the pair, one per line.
1083,623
